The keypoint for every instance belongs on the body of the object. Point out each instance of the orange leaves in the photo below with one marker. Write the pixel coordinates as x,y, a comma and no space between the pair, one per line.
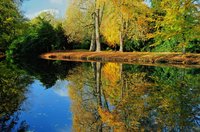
110,118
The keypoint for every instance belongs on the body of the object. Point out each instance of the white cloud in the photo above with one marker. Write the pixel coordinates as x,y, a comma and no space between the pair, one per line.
60,88
52,11
56,1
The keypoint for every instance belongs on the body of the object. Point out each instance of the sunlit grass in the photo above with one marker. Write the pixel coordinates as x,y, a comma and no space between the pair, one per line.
127,57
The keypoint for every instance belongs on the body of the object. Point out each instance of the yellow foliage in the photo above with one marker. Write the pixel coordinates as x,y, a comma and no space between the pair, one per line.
110,118
111,72
76,22
124,17
110,30
111,81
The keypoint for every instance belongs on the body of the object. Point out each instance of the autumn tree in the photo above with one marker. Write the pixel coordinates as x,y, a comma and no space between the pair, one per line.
83,20
125,96
78,21
124,20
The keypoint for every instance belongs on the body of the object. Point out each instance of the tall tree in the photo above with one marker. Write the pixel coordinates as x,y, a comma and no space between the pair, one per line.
83,20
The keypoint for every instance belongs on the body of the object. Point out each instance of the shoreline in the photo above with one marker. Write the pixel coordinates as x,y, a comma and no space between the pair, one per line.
140,58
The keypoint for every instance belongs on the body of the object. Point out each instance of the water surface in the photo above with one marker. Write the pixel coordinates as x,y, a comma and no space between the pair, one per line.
67,96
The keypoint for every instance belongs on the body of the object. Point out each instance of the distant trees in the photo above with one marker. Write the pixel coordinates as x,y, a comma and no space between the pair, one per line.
111,22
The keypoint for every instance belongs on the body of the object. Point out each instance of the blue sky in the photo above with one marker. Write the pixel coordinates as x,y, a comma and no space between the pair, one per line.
32,8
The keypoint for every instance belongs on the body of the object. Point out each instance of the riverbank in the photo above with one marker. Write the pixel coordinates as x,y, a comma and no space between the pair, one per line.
147,58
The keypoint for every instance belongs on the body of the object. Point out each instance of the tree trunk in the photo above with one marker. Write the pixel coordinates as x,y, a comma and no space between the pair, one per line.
121,34
98,83
122,81
183,46
92,44
98,45
183,50
121,42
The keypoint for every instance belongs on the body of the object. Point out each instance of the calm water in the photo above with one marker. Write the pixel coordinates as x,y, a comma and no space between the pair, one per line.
47,96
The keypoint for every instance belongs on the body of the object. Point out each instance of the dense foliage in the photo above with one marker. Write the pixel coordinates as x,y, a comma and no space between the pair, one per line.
98,25
40,36
163,25
11,22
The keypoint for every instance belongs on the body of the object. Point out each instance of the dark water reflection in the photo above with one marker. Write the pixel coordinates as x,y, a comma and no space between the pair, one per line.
67,96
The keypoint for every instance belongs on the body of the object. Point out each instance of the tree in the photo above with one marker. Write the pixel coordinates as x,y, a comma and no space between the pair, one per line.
11,22
179,23
78,22
83,20
125,20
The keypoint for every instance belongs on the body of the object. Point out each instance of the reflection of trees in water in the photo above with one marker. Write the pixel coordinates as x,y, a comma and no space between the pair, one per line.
48,72
175,97
83,92
134,98
13,84
8,122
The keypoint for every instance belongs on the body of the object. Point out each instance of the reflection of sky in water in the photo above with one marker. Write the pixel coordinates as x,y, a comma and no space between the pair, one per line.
47,110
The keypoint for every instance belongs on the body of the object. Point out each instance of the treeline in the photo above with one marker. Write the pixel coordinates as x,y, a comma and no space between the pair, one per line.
124,25
42,34
133,25
23,37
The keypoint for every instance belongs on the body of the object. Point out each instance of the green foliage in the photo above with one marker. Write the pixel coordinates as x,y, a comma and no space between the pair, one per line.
176,24
136,45
11,22
13,86
168,45
48,72
85,44
194,46
40,37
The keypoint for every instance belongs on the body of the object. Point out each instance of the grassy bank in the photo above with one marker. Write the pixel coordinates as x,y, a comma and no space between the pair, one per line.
147,58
